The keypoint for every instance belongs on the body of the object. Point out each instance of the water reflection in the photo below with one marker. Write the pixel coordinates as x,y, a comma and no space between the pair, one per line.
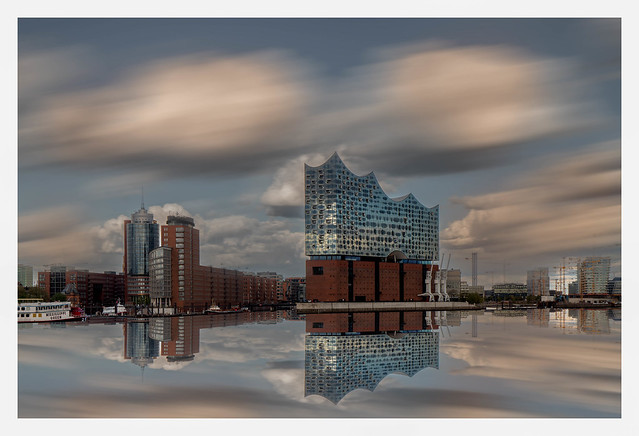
588,321
348,351
177,338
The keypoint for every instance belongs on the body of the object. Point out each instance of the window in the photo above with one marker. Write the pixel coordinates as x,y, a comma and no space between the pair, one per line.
318,270
318,325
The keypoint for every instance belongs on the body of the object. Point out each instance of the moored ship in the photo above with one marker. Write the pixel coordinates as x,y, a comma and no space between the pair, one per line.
36,310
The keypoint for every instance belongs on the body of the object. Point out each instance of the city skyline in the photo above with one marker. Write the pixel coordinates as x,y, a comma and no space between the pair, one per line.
515,134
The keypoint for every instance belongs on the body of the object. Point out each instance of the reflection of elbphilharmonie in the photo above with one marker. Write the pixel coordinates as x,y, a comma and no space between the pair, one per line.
337,363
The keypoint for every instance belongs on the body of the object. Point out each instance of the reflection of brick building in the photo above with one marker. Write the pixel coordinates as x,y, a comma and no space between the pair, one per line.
370,322
363,245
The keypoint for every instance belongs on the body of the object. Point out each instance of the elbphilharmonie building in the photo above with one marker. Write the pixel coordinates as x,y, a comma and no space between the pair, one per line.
362,244
350,215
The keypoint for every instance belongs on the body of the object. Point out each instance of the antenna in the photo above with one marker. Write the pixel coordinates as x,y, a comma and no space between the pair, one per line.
142,196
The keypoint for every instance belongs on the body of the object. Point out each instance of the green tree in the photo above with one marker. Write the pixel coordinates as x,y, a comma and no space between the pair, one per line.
474,298
58,296
32,292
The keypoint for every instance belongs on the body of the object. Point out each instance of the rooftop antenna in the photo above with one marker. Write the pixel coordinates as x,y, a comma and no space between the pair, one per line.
142,196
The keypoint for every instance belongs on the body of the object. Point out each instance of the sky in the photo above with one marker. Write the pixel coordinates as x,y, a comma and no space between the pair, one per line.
511,126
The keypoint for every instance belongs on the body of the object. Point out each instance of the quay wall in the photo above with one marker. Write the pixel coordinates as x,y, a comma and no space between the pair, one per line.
377,306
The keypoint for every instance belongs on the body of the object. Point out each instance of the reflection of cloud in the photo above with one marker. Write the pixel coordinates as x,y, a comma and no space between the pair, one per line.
572,203
240,345
504,357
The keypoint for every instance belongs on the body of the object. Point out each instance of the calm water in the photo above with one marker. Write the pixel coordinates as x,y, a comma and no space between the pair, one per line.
533,363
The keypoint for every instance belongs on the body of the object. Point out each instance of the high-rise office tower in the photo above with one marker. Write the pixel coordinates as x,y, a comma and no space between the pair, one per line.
593,274
25,275
141,236
362,244
176,266
538,281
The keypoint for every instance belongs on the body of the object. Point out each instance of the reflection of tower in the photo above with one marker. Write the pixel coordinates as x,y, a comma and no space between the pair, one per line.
538,317
474,324
338,364
594,322
138,345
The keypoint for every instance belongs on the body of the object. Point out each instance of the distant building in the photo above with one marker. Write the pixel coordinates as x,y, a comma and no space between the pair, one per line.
279,280
453,283
141,236
573,288
364,245
296,289
593,274
507,290
25,275
53,280
93,290
479,289
614,286
538,282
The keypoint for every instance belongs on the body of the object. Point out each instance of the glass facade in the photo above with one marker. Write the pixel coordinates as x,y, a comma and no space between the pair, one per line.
593,274
142,236
349,215
160,273
337,364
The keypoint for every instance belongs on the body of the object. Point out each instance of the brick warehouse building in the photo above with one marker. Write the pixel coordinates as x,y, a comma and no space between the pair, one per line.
363,245
179,284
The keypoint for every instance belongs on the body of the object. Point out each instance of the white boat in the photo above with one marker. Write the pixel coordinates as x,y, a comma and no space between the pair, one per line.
117,310
36,310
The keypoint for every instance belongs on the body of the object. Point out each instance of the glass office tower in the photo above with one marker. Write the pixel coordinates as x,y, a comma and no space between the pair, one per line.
141,236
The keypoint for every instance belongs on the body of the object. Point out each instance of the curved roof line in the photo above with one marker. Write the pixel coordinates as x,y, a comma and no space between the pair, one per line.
373,177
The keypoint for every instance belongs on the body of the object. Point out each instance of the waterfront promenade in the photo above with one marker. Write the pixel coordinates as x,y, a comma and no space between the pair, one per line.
377,306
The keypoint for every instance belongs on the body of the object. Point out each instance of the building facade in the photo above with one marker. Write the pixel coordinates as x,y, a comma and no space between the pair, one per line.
93,290
53,280
363,245
593,274
141,236
25,275
177,262
453,283
538,282
507,290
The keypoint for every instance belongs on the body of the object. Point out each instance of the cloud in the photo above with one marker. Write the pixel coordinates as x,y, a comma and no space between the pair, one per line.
195,113
64,235
567,205
437,109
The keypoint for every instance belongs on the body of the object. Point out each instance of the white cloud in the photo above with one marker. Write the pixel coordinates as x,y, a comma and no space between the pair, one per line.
567,206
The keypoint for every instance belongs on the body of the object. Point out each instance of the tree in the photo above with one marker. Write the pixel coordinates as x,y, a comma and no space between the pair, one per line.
474,298
32,292
58,296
